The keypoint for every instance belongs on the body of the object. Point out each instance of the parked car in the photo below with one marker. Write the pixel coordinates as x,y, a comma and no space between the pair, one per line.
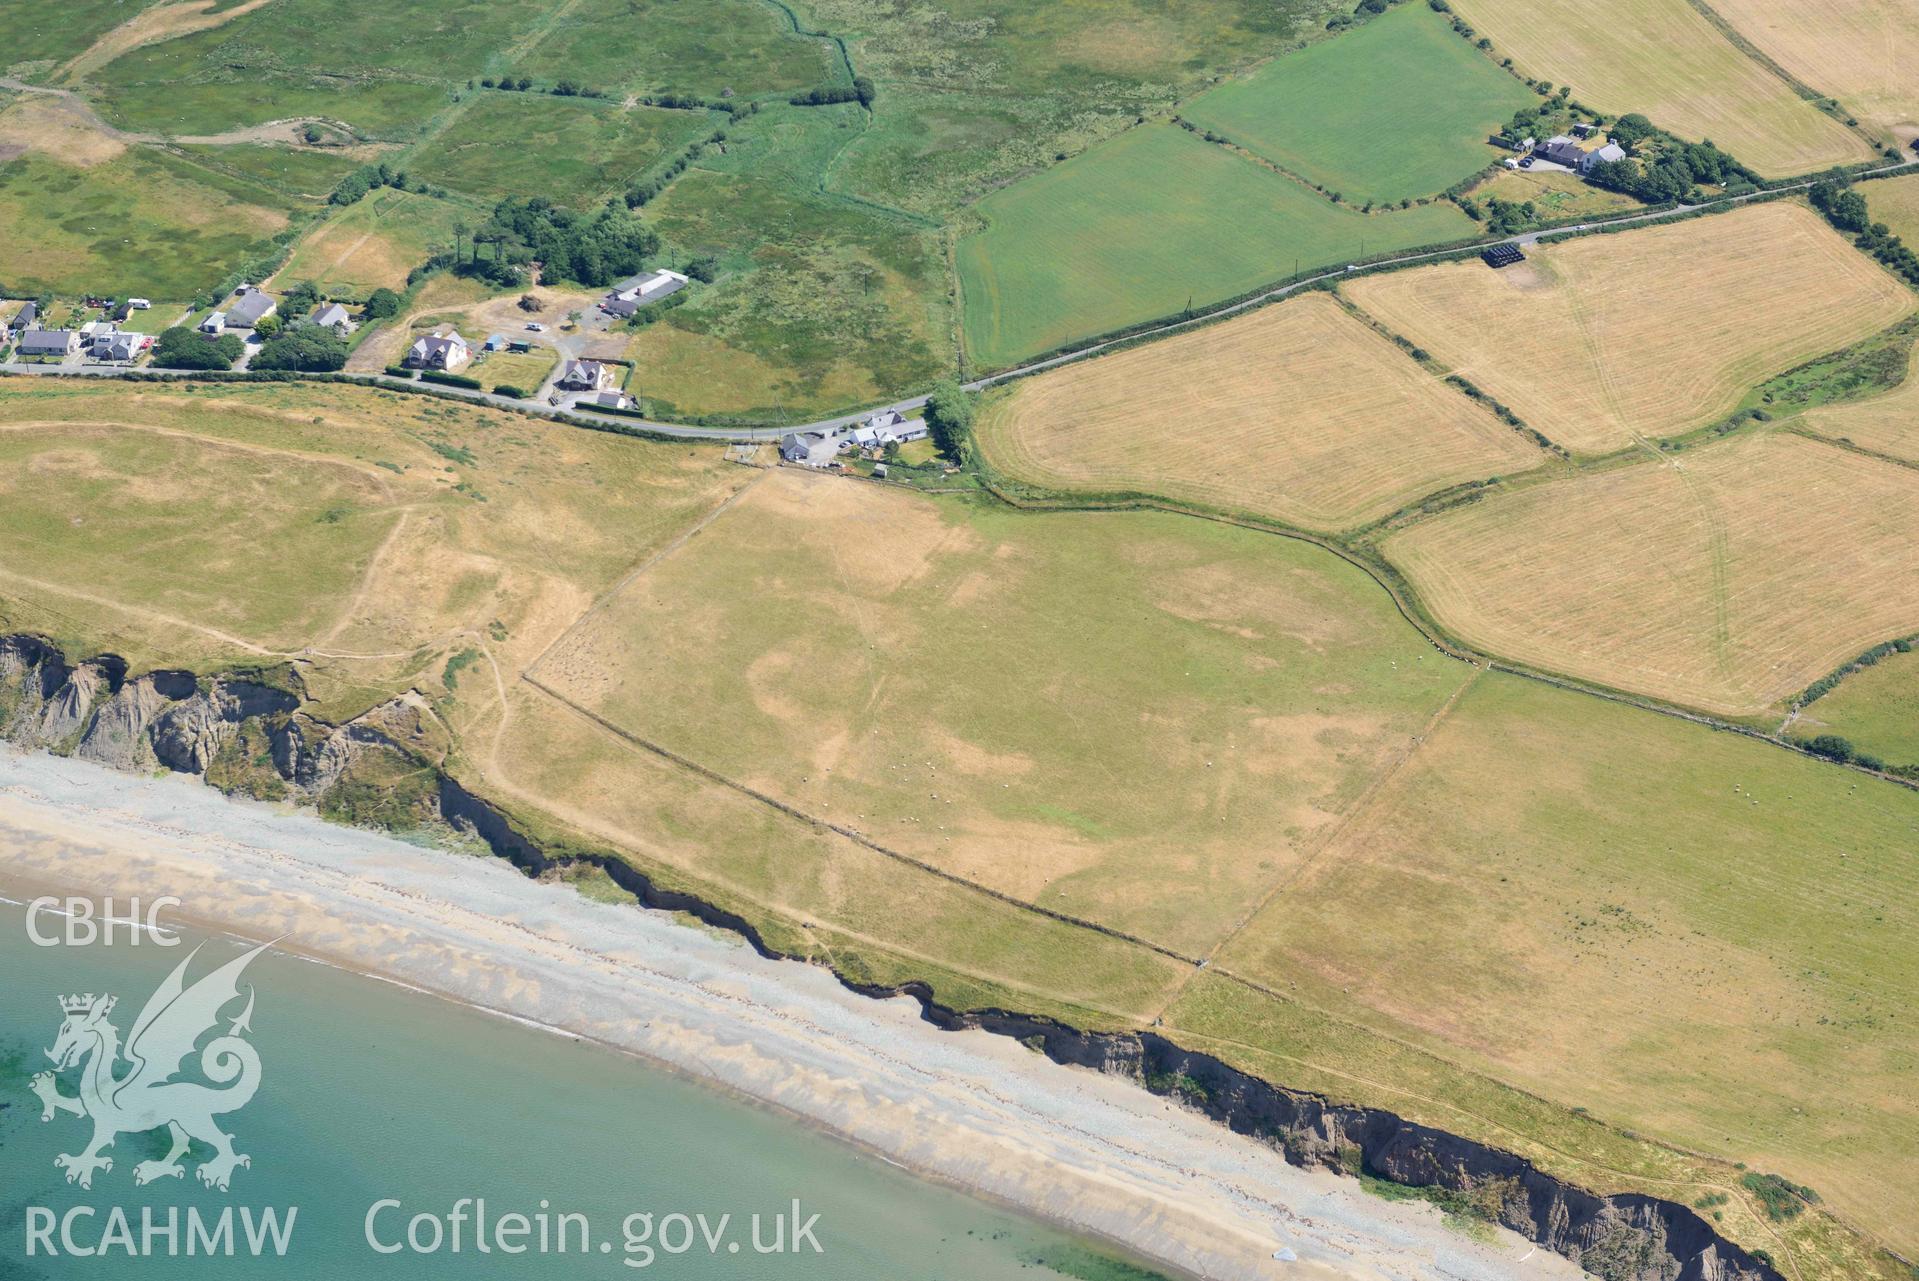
535,327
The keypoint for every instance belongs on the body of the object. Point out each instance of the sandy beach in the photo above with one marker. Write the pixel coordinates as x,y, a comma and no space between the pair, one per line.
1093,1153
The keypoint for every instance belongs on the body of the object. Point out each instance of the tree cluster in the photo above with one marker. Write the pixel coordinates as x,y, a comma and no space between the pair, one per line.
1846,209
860,91
1671,174
367,177
949,419
588,249
181,348
306,348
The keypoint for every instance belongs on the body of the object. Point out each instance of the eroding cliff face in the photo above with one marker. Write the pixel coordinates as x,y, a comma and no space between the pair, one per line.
243,733
247,735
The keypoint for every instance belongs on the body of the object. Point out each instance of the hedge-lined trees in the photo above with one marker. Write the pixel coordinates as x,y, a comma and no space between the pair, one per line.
949,419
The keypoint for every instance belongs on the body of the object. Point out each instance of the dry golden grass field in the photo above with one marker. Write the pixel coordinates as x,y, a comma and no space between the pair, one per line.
1725,578
1895,202
1649,333
1859,51
1690,934
1665,59
1297,411
1887,424
1138,718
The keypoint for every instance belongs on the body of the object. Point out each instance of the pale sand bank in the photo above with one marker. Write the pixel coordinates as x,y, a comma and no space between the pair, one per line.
1093,1153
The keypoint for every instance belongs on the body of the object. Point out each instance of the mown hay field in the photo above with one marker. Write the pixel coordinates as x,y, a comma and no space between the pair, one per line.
1298,412
1139,718
1859,51
1648,333
1875,709
1887,424
1665,59
374,242
1692,935
1726,578
1400,107
1138,227
1895,202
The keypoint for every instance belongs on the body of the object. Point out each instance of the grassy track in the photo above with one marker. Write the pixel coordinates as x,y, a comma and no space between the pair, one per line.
1599,340
1399,108
1663,58
1727,578
1136,228
1298,412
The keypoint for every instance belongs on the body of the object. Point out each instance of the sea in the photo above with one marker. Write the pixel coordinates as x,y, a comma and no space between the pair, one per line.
397,1134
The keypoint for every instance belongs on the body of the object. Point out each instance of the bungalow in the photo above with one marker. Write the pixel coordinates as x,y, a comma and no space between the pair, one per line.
332,316
252,307
119,347
811,448
25,317
629,296
49,342
438,351
587,375
1611,153
214,324
1560,150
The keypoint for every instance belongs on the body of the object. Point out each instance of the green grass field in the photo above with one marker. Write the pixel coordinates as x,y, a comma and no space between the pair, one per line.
575,151
975,93
1400,107
1135,229
374,242
56,33
145,223
821,302
1876,710
748,46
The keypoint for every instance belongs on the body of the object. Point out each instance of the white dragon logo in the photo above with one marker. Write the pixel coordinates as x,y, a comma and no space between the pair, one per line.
147,1097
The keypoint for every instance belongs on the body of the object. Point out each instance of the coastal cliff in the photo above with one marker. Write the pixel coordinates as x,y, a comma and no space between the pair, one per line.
245,732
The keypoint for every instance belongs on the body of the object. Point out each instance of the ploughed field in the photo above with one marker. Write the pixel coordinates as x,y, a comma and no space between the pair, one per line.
1297,412
1599,340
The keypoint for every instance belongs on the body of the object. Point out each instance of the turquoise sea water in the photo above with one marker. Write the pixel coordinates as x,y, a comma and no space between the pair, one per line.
370,1092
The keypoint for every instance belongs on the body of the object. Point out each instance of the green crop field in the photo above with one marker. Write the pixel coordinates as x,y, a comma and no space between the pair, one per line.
144,223
1137,228
1875,709
1400,107
574,151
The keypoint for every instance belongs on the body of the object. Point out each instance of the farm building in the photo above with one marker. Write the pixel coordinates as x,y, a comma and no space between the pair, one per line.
252,307
494,342
587,375
812,448
214,324
438,351
49,342
606,400
631,295
888,427
1560,150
